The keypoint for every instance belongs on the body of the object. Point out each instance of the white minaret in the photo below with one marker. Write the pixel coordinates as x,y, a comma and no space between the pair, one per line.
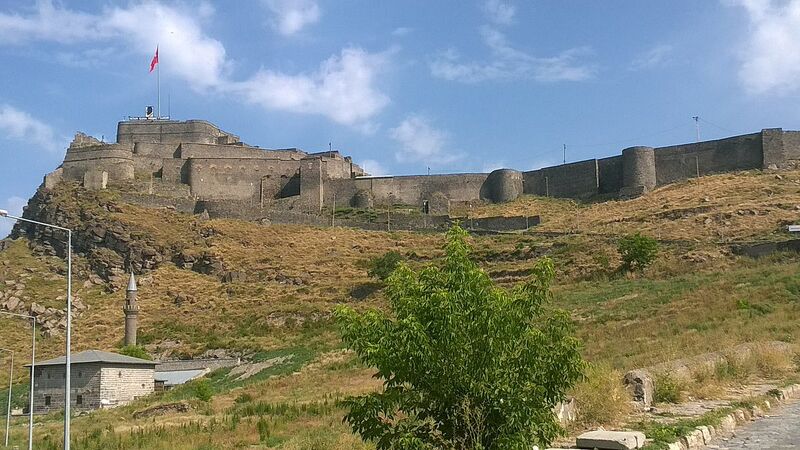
131,310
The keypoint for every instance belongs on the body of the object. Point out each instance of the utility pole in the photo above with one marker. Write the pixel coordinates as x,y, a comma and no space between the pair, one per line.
565,153
697,126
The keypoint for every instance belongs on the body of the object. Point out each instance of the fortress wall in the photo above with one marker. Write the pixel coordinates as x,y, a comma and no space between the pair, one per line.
240,178
336,168
175,170
409,190
679,162
574,180
156,150
115,159
194,150
167,131
145,165
609,174
791,144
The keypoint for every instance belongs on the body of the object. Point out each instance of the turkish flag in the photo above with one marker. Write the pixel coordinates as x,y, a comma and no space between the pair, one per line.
154,61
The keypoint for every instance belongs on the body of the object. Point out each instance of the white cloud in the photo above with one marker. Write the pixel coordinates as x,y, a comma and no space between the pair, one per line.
184,49
291,16
421,142
14,207
342,89
509,63
21,126
653,58
499,11
770,56
373,168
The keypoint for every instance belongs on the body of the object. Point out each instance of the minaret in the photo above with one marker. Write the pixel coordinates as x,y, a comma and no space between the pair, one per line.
131,310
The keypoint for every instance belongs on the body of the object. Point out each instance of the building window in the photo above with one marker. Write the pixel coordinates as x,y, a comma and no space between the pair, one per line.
120,374
46,400
142,385
79,400
80,374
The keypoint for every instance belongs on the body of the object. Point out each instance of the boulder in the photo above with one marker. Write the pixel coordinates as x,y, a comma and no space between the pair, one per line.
610,440
639,384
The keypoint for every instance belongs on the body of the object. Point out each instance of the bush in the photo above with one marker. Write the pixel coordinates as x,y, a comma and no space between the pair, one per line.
383,266
464,363
203,390
667,389
135,351
602,398
637,251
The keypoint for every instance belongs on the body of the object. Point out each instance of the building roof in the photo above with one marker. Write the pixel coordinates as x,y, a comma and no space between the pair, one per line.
96,356
177,377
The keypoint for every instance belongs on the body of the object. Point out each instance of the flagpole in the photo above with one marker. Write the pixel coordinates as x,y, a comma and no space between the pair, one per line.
158,77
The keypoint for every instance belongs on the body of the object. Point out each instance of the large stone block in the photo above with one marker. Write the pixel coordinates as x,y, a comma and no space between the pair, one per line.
611,440
639,384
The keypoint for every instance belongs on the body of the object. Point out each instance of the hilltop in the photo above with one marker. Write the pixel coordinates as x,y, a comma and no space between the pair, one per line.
267,291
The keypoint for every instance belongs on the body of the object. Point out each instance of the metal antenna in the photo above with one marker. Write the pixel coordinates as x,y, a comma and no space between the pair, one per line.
697,126
565,153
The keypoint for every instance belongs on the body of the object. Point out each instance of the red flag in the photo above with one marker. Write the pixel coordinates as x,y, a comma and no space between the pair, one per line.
154,61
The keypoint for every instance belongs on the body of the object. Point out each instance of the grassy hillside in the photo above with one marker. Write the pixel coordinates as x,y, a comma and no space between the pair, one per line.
697,297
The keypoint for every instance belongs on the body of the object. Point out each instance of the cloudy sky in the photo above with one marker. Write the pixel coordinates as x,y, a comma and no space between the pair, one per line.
457,86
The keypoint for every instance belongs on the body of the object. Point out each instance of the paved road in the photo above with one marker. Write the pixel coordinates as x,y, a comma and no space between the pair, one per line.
781,430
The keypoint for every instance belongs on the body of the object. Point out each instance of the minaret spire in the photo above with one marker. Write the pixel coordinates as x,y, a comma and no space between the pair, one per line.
131,310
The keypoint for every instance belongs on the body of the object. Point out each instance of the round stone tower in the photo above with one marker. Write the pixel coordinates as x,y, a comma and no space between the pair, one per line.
638,171
131,310
502,185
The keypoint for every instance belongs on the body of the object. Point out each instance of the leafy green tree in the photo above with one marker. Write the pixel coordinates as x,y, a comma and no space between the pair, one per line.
465,364
637,251
383,266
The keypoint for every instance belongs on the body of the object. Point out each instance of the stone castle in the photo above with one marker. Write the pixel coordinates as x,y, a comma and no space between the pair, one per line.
202,168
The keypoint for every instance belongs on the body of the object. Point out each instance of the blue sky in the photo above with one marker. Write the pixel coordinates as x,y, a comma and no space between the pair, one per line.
456,86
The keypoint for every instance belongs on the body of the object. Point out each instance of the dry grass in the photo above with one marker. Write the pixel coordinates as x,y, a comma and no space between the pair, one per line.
741,206
601,397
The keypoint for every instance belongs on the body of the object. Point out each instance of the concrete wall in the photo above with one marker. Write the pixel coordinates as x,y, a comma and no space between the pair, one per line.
576,180
680,162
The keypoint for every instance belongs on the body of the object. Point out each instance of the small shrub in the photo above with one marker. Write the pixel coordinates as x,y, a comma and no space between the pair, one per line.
601,396
637,251
203,390
383,266
667,389
135,351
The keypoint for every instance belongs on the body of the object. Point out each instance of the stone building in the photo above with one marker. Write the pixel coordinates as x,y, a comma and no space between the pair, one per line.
98,380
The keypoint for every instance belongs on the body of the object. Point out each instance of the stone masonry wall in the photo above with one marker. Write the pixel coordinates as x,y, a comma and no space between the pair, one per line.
679,162
49,381
579,179
124,383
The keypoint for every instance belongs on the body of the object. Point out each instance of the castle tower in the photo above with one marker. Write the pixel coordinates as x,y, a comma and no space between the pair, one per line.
131,310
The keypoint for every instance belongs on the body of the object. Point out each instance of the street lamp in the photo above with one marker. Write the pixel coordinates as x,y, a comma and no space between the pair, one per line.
4,213
10,379
33,377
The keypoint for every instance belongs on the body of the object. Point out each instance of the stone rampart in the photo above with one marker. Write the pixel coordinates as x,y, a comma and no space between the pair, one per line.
114,159
679,162
406,190
171,131
574,180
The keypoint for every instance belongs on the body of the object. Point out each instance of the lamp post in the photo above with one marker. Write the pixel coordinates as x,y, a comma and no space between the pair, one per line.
33,376
4,213
10,379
